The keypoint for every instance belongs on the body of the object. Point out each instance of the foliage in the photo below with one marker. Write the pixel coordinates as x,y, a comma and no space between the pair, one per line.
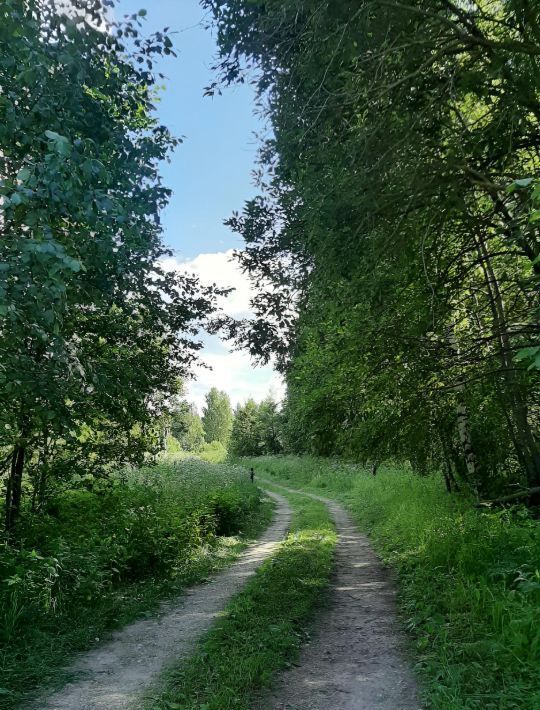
173,447
94,334
269,426
395,242
96,558
265,623
256,429
217,417
187,427
244,436
214,452
469,579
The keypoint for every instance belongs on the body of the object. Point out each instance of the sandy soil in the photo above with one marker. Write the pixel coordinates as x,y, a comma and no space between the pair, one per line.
354,660
116,674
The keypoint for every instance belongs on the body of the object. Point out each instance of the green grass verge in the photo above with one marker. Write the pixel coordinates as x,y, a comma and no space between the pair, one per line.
264,625
469,579
105,560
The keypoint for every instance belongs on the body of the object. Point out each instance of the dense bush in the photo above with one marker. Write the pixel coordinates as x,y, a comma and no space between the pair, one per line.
469,578
97,547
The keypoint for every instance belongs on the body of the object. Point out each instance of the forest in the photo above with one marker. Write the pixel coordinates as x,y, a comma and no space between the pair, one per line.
393,250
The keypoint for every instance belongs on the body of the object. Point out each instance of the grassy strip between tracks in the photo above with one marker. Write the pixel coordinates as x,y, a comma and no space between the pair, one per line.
264,626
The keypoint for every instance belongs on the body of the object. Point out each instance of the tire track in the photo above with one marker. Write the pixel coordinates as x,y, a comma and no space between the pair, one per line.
115,675
354,660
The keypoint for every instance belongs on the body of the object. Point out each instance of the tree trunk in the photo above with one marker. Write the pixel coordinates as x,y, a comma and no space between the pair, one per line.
7,513
449,478
453,481
464,432
458,463
526,446
14,488
446,477
464,429
42,489
42,478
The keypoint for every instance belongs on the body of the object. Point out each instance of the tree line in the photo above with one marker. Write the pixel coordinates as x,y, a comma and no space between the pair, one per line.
96,337
395,239
249,429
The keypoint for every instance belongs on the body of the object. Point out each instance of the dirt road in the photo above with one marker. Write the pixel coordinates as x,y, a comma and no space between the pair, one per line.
114,676
355,658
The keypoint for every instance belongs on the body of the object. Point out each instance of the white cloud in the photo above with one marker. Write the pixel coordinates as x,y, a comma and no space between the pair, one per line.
221,269
234,373
230,371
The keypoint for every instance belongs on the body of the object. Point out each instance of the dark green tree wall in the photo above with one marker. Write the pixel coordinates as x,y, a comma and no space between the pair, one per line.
398,224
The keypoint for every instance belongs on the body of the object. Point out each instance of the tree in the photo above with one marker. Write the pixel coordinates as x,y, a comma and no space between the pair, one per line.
397,226
187,427
257,429
245,435
217,417
269,424
93,333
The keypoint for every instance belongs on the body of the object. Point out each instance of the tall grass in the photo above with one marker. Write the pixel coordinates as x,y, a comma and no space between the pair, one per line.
97,559
469,579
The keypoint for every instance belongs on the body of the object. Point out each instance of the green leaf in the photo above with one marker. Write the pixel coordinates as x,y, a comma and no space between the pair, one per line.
52,135
23,174
519,184
74,264
60,143
532,354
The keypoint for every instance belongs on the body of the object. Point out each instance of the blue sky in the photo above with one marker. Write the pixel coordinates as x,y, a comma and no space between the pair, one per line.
210,175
